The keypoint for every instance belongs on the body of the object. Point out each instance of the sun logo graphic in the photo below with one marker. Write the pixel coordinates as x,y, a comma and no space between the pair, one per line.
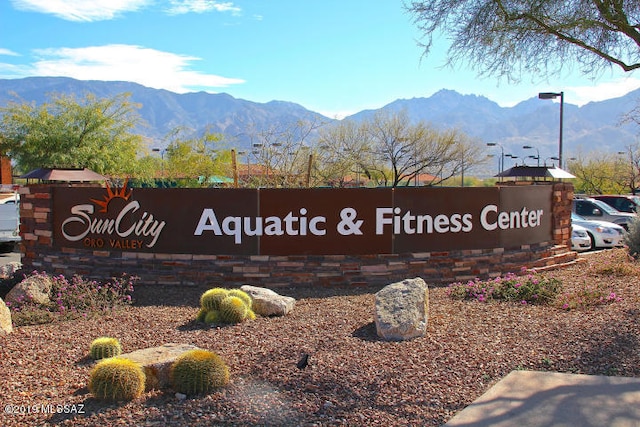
129,228
121,193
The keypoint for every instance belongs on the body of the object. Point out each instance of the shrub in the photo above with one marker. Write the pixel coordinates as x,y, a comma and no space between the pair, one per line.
117,379
586,296
198,372
104,347
632,238
80,295
75,298
526,288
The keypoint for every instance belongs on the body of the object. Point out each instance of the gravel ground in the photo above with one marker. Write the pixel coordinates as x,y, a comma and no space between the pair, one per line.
352,379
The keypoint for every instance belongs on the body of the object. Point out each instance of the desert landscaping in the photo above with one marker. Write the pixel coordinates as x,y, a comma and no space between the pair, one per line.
353,377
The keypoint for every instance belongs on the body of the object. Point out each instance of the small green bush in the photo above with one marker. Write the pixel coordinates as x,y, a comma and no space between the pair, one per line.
117,379
104,347
198,372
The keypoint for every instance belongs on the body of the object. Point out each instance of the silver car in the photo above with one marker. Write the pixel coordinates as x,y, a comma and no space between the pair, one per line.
589,208
603,234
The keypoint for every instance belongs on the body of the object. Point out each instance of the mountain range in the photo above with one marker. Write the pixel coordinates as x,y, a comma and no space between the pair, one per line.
597,126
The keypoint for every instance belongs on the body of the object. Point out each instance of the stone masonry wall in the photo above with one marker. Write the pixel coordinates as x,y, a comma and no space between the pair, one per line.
39,254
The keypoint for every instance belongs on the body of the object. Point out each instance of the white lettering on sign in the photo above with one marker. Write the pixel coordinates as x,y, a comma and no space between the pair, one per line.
236,226
491,219
408,223
140,226
388,220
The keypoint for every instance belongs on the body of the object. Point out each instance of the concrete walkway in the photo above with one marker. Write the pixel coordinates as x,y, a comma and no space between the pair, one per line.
545,399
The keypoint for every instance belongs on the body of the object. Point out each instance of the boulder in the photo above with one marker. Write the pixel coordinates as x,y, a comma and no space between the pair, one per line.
34,289
8,270
267,302
156,363
402,309
6,327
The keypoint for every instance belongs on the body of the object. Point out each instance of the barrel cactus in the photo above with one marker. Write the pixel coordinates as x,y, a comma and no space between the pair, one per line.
212,316
104,347
202,314
210,300
117,379
198,372
233,310
242,295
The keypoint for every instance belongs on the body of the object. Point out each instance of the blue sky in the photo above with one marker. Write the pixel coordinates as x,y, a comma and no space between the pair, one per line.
336,57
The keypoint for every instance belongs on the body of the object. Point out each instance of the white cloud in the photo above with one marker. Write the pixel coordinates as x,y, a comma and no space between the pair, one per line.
179,7
7,52
580,95
149,67
81,10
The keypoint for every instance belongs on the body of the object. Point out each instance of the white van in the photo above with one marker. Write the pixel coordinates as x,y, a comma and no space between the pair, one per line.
9,219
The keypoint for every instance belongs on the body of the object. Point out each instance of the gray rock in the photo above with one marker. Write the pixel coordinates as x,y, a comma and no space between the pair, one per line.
402,310
6,327
267,302
8,270
32,289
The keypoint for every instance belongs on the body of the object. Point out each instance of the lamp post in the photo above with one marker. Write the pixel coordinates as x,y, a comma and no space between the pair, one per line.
515,158
493,144
529,147
554,95
550,158
161,151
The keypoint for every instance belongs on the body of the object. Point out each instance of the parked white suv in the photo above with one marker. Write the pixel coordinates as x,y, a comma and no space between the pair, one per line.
597,210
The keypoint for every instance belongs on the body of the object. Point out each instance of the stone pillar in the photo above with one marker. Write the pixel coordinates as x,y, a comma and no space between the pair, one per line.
561,205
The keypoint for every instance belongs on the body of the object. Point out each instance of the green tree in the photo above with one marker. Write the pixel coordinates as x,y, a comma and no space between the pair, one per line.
598,173
67,132
194,161
509,38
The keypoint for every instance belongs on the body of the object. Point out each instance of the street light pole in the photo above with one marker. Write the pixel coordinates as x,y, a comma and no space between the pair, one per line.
554,95
493,144
529,147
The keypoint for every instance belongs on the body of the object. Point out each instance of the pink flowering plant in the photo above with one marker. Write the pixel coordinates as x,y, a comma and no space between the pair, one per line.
75,298
526,288
588,295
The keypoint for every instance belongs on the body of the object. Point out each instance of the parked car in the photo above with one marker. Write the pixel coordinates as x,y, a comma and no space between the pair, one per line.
580,238
623,203
603,234
9,221
590,208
